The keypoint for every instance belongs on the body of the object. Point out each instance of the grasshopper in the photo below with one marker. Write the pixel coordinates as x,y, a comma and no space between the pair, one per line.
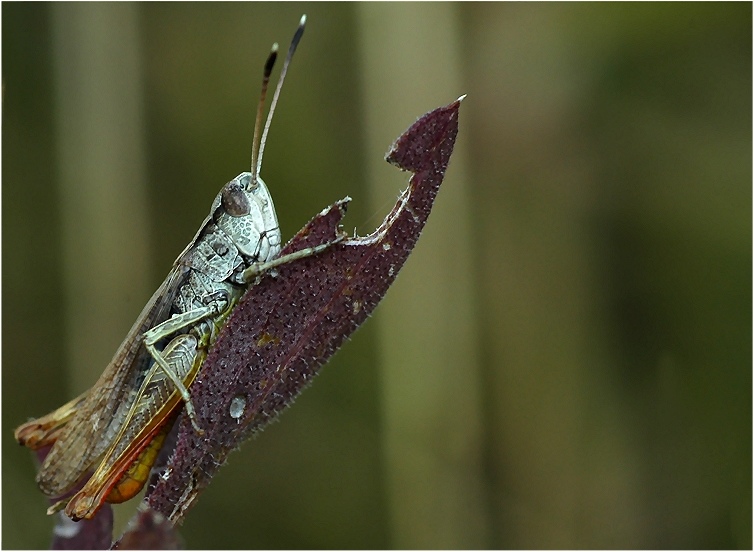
118,426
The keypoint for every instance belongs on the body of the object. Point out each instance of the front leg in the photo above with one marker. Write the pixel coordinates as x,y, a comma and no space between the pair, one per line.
258,269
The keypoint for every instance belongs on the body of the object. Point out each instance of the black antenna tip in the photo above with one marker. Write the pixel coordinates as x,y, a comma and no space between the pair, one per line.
270,63
258,147
298,34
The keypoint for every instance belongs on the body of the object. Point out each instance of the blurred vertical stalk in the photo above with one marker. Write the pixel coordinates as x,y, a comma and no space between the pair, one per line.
432,428
101,173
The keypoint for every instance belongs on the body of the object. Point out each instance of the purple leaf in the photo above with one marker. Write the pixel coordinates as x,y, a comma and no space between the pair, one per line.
289,324
149,530
89,534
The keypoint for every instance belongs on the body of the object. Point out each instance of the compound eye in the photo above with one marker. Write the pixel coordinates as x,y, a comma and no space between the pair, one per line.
234,200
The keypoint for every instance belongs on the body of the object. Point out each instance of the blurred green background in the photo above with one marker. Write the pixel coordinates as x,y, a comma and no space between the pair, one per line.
565,360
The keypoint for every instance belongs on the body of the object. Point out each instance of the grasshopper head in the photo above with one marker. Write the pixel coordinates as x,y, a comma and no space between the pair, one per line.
248,217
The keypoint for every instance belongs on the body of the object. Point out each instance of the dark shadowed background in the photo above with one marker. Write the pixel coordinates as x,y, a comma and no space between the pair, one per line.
565,361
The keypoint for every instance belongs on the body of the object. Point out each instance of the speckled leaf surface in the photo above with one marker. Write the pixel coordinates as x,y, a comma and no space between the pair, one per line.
292,321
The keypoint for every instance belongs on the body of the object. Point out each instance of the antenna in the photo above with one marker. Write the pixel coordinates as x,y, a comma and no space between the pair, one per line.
269,64
256,167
